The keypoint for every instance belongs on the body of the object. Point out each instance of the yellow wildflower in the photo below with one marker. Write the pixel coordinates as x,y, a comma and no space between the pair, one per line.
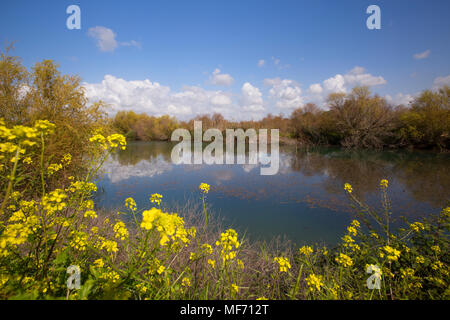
392,254
227,241
314,282
417,226
204,187
90,214
306,250
99,263
420,259
348,188
120,230
161,269
130,204
344,259
156,198
212,263
186,282
283,263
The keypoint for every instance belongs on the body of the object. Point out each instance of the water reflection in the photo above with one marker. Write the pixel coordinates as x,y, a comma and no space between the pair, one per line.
305,200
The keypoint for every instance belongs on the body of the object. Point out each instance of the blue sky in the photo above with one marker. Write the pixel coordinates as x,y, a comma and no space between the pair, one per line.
242,58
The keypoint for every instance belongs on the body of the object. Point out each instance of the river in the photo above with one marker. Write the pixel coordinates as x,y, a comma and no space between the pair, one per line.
305,201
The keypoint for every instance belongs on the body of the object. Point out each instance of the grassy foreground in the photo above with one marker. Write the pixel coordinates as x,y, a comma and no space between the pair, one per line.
49,237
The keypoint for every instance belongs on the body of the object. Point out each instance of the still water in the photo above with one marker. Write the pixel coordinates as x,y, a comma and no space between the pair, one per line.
305,201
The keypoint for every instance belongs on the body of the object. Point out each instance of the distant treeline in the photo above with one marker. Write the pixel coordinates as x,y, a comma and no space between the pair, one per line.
354,120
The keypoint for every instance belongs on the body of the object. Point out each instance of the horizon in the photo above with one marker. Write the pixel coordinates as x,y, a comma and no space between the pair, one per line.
242,60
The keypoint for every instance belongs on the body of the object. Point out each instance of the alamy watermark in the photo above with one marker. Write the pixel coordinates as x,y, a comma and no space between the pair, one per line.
374,20
214,153
74,20
74,279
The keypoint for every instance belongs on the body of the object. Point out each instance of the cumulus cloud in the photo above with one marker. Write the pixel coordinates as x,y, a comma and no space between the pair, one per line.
355,77
261,62
335,84
358,76
441,81
318,92
422,55
106,39
156,99
221,79
251,98
315,88
400,99
286,93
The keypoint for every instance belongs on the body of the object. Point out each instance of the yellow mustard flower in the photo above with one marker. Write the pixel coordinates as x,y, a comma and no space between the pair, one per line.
156,198
99,263
283,263
417,226
344,260
204,187
186,282
212,263
420,259
314,282
348,188
306,250
130,204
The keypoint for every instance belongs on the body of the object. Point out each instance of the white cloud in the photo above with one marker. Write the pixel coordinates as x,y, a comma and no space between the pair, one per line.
315,88
261,62
131,43
179,110
286,93
422,55
335,84
357,76
251,98
117,172
441,81
219,79
106,38
276,61
283,94
399,98
357,70
156,99
220,100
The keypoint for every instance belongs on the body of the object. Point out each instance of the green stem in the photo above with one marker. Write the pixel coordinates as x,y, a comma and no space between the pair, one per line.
42,163
204,210
11,180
